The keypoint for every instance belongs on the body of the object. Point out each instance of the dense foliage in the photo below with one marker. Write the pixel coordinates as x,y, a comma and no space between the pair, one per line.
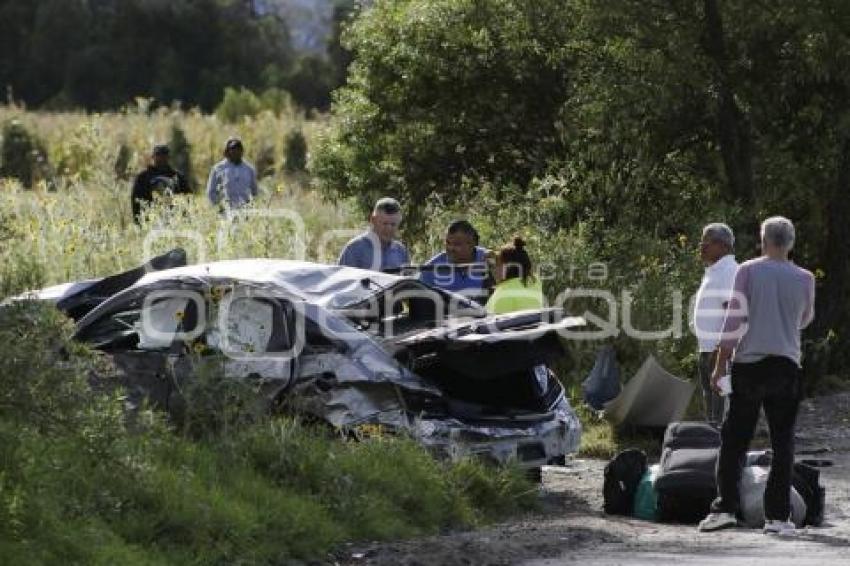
100,54
22,155
444,90
609,131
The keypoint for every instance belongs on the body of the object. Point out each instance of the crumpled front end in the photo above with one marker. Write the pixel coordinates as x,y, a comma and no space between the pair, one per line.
532,441
483,398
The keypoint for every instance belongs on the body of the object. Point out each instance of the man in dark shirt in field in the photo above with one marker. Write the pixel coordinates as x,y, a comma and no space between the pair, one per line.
159,178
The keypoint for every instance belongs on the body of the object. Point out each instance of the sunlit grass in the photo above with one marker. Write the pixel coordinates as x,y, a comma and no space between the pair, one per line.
78,223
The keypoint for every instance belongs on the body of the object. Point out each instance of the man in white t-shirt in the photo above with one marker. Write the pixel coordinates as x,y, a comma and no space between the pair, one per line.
712,298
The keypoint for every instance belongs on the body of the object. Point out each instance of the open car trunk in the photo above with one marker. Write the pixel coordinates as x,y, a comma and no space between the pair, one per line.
492,366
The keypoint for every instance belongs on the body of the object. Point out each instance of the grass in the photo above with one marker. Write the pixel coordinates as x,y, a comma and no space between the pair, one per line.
76,485
78,223
601,439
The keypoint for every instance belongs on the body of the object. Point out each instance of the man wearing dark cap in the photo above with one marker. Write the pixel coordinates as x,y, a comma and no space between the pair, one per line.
232,181
158,178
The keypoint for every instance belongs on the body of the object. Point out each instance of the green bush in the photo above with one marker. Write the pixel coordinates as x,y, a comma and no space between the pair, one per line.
22,156
80,154
237,104
276,100
264,160
45,384
295,151
214,406
181,154
122,162
22,272
493,493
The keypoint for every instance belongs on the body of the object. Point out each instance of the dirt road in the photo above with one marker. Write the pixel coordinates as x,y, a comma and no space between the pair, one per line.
572,529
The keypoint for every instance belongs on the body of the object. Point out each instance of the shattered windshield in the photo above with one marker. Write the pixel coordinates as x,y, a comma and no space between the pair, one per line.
403,307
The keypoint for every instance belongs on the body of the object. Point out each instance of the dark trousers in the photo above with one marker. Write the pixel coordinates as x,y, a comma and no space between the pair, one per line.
774,383
714,406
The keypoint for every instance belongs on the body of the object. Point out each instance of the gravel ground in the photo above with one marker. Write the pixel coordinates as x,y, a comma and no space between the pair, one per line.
572,529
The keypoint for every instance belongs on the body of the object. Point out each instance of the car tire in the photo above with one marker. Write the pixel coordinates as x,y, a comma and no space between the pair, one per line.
558,460
534,475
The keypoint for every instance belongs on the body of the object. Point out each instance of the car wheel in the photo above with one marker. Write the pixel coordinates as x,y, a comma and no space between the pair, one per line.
558,460
534,475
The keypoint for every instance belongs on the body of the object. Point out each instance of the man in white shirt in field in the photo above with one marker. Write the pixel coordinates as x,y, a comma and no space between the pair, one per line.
232,180
716,247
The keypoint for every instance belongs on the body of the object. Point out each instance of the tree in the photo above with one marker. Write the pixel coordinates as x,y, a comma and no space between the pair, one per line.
443,90
100,54
745,100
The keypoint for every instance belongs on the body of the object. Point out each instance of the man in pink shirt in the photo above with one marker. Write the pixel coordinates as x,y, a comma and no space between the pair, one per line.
772,301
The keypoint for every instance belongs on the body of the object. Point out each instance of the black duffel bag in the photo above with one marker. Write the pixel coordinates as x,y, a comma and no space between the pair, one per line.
621,478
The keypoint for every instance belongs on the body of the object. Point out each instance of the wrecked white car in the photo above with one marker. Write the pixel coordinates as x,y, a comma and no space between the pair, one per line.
347,346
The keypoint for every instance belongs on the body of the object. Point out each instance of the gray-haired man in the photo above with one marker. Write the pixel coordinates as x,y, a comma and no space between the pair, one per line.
773,301
377,248
712,297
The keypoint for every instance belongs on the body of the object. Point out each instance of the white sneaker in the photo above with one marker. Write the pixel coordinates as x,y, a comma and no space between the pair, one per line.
781,528
717,521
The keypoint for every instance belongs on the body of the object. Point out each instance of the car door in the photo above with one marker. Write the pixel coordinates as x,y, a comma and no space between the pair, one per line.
160,337
255,337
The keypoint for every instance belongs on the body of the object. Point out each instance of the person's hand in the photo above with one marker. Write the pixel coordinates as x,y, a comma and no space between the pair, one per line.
715,379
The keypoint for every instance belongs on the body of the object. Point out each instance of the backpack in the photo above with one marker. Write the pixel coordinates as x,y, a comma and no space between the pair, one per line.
806,480
621,478
686,485
690,435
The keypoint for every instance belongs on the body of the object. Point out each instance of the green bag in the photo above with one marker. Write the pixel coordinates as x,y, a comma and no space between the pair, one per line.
646,499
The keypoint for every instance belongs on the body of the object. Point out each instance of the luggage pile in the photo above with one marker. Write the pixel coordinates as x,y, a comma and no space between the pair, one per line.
682,486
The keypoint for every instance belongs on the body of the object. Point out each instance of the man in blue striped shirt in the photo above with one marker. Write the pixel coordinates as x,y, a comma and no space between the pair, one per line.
462,267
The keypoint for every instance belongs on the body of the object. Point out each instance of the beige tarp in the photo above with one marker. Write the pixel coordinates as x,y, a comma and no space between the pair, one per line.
653,397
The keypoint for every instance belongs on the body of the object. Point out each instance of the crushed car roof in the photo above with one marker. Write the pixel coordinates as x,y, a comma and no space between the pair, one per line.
313,282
